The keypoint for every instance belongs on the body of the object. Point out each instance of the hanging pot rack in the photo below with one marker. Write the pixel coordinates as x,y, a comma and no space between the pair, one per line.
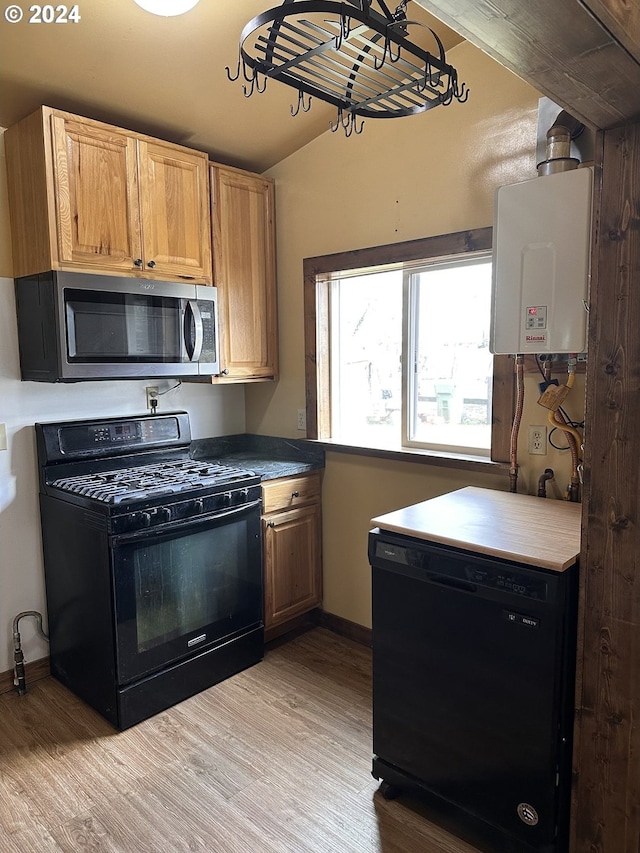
349,55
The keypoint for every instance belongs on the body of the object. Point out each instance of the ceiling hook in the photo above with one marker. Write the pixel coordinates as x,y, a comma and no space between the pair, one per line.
249,75
348,127
300,105
462,94
447,98
346,26
388,47
237,74
260,89
255,86
249,91
378,65
333,127
426,78
434,79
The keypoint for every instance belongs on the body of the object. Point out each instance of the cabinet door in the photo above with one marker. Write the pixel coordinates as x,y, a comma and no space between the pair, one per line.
244,273
174,203
293,566
96,196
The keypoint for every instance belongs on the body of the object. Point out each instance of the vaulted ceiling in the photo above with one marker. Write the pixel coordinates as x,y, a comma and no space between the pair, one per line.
162,76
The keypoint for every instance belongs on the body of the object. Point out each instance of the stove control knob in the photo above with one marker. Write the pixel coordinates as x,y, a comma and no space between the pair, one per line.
198,506
226,499
145,518
165,513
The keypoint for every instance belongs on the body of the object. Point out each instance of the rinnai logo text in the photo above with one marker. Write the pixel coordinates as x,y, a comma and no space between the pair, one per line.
532,339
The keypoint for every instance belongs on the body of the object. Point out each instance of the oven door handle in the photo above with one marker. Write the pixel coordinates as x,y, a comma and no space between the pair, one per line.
194,521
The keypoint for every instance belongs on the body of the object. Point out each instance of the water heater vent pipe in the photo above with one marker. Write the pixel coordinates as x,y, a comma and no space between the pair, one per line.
559,136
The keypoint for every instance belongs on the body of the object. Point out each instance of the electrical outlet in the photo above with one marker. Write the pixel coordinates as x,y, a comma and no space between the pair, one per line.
152,394
302,419
538,440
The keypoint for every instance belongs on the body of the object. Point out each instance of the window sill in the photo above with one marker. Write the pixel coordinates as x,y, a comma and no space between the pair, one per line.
424,457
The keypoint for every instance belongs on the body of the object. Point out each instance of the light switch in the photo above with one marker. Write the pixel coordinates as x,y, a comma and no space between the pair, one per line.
3,437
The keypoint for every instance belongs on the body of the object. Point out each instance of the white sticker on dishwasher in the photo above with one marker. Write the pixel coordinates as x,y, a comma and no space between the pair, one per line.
521,619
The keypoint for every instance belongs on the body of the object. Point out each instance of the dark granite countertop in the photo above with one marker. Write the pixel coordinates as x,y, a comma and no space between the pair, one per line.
269,456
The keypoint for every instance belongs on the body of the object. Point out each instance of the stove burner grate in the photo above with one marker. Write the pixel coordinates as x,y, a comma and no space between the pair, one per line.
137,482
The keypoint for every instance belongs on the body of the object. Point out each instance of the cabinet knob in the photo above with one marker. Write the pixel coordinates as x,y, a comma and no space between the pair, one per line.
295,494
271,524
225,372
151,264
138,262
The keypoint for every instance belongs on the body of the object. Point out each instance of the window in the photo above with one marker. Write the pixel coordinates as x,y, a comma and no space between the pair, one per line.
397,343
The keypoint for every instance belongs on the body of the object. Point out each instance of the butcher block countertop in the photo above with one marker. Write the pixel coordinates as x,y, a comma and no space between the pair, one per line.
537,531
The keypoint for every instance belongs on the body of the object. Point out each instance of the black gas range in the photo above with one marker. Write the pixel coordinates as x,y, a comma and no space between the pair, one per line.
153,563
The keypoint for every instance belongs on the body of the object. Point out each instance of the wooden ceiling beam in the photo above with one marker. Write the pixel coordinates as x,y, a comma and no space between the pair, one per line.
583,54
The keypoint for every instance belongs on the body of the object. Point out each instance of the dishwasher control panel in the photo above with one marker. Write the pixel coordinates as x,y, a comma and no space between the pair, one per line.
445,565
497,578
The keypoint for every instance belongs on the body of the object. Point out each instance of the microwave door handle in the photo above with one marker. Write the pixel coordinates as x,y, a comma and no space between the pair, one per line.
193,342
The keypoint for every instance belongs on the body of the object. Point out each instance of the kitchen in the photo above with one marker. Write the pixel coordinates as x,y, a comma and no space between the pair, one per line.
491,145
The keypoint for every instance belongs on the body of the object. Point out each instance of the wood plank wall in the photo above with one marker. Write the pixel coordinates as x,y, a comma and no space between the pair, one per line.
606,802
561,48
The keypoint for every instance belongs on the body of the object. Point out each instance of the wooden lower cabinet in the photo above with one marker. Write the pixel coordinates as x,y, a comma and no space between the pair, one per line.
292,538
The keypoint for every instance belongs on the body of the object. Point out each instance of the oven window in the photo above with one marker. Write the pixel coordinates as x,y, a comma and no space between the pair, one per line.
179,592
116,327
182,585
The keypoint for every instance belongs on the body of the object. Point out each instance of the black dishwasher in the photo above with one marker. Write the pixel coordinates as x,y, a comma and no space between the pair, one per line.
473,689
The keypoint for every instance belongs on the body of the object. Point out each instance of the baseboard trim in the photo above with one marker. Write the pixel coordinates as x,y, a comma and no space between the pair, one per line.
350,630
317,617
33,671
297,625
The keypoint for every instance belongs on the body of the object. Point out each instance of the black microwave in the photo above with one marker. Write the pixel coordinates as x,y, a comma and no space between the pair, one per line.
73,327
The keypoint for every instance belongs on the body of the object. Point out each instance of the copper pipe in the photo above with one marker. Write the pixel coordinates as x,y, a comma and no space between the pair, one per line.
517,418
570,432
542,482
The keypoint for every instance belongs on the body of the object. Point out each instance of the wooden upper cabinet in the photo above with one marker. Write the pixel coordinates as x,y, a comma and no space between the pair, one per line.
244,271
174,204
96,196
85,195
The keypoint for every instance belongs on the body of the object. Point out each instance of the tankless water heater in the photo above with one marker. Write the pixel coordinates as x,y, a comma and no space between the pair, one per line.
541,249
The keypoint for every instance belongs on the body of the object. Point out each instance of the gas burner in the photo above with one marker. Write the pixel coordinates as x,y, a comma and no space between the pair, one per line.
145,481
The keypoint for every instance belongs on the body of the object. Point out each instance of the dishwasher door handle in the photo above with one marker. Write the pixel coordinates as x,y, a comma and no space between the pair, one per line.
453,583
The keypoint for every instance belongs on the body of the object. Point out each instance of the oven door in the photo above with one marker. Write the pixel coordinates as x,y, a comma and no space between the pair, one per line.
184,588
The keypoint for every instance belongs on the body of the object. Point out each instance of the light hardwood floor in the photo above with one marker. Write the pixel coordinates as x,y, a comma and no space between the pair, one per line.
276,759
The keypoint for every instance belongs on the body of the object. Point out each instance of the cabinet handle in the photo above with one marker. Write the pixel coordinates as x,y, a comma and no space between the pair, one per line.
151,264
138,262
295,494
271,524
